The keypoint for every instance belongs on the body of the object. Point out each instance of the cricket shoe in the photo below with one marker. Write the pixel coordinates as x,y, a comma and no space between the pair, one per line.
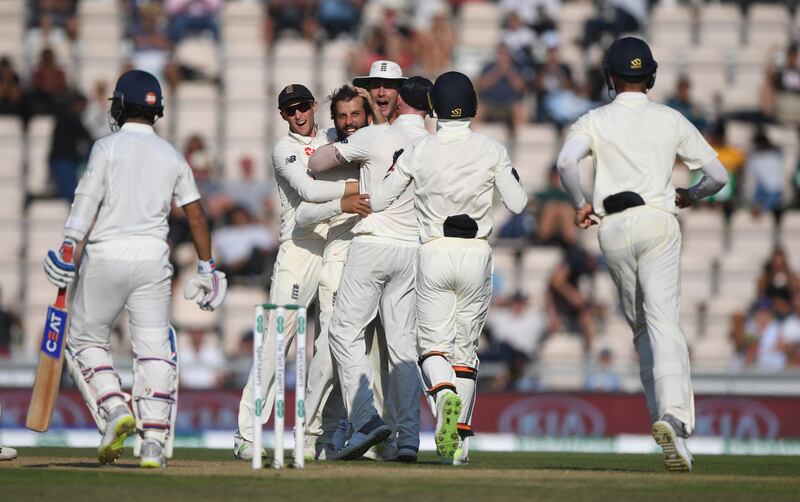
407,454
7,453
152,454
448,408
668,433
317,448
462,453
385,451
243,449
362,440
120,424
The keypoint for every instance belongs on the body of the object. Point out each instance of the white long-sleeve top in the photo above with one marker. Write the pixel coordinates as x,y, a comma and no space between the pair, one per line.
295,184
634,142
127,190
455,172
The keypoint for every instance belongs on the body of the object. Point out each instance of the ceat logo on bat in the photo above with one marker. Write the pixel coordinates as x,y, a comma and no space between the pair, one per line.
310,151
150,98
54,331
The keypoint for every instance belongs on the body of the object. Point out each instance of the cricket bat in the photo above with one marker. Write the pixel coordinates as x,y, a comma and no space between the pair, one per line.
51,360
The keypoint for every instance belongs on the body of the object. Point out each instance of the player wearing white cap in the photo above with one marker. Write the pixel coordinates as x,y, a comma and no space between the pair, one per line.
455,174
634,143
295,278
379,278
120,208
324,408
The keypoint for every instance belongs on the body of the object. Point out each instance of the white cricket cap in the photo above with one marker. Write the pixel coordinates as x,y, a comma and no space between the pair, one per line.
387,70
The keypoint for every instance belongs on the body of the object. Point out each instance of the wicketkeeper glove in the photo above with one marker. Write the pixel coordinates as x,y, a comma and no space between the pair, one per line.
60,271
208,288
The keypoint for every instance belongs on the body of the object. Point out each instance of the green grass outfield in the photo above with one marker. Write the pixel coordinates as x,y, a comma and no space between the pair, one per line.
65,474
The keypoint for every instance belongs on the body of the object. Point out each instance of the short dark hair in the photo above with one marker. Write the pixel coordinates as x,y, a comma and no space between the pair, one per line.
346,93
630,79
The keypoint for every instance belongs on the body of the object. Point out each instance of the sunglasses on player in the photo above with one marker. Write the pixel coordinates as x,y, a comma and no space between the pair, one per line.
301,107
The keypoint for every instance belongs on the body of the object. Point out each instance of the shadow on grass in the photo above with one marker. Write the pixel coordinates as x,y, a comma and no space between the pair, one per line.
84,465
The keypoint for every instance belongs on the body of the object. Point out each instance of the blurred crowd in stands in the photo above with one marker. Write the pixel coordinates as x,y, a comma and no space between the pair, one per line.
524,81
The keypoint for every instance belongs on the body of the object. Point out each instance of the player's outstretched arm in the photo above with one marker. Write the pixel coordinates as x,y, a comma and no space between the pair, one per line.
309,214
325,158
394,183
509,187
575,148
209,287
287,165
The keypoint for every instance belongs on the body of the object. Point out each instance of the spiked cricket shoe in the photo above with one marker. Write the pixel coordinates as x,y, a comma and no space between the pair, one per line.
7,453
676,454
243,449
363,439
152,454
448,408
120,425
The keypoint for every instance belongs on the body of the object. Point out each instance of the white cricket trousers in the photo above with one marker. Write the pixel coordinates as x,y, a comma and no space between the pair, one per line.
454,290
378,277
295,280
133,273
642,247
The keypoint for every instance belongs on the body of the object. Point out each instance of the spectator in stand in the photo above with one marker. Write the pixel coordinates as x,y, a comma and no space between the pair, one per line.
519,39
777,338
778,280
733,158
151,46
558,97
781,90
192,17
539,15
291,15
11,96
556,214
202,164
10,327
202,363
615,18
765,165
567,307
69,147
95,118
501,91
48,85
516,330
682,101
602,377
52,15
434,42
253,195
243,246
745,341
339,17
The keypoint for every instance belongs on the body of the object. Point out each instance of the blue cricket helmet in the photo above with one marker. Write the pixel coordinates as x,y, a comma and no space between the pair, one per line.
453,96
136,92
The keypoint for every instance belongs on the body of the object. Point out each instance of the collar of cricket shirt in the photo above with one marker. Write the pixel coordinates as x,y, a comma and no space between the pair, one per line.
409,119
453,129
305,140
631,97
137,127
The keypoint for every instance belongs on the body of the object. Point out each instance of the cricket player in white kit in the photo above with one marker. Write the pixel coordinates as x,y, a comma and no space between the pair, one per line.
295,278
6,452
120,208
379,277
324,407
634,143
455,174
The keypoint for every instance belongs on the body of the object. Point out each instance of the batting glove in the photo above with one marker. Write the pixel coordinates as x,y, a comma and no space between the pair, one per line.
60,271
208,288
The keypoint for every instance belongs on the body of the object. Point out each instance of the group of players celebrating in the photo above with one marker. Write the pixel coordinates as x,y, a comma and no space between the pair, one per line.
384,221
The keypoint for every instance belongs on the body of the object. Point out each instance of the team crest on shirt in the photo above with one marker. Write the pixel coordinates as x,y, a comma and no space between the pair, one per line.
309,151
290,159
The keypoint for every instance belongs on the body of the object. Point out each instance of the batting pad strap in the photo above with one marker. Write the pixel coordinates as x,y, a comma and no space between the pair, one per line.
439,387
152,359
431,354
464,430
155,425
105,397
466,372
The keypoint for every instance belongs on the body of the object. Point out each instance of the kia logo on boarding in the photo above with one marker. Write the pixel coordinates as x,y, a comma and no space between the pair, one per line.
735,418
552,416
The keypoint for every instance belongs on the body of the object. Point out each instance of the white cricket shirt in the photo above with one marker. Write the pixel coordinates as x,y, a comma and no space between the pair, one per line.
295,184
376,148
455,172
132,176
634,142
